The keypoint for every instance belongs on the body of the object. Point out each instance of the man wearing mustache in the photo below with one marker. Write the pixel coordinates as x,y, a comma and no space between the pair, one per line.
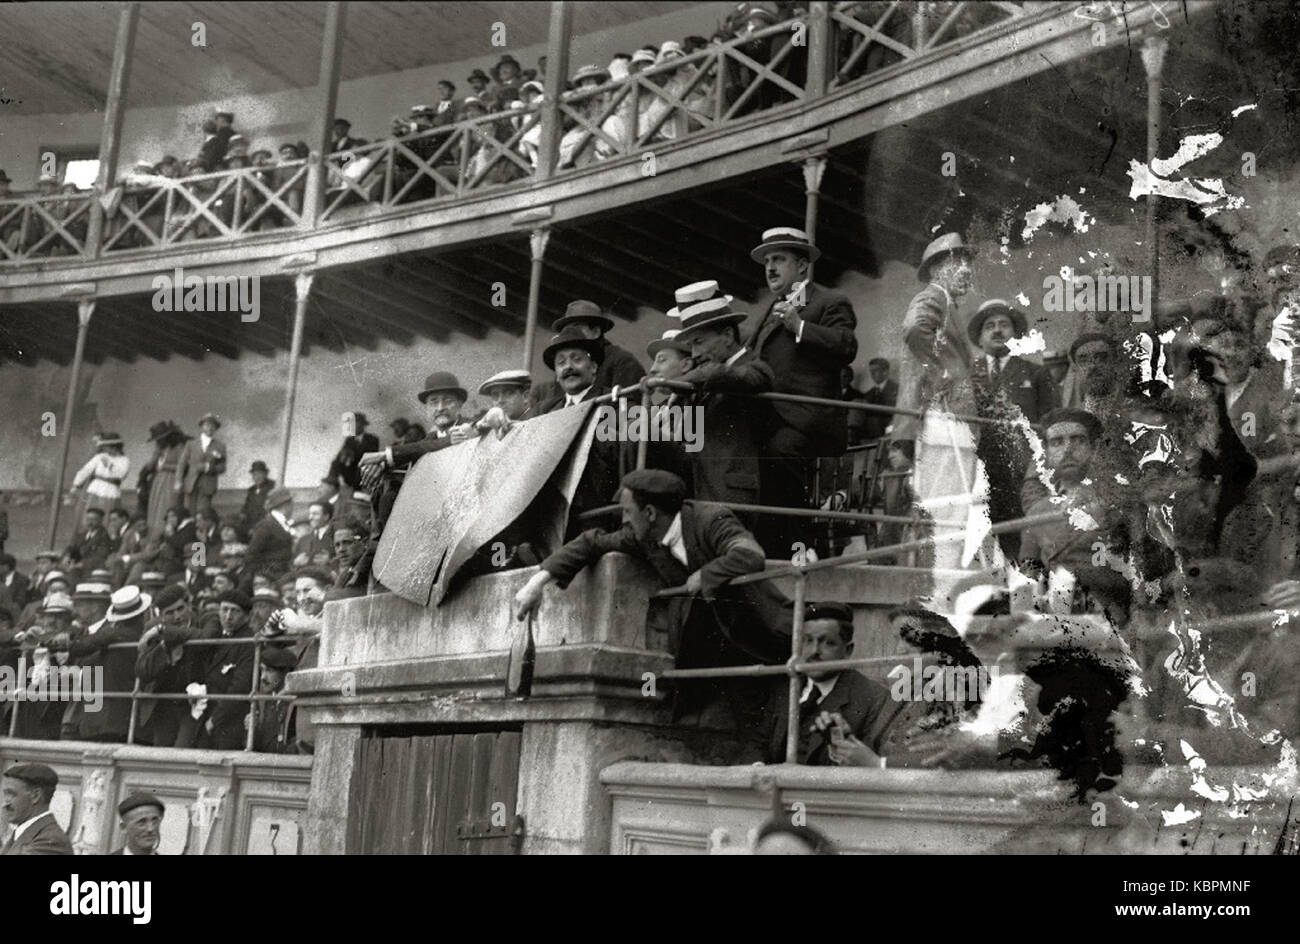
1007,388
28,790
1070,440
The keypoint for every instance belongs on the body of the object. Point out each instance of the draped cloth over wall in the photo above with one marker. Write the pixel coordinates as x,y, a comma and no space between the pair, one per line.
455,500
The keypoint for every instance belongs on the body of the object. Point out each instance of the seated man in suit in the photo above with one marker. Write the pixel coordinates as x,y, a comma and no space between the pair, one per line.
141,817
1006,388
843,715
28,790
701,546
94,544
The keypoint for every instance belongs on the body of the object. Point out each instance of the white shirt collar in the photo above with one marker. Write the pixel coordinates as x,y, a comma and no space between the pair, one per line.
823,685
572,399
674,541
205,441
1002,361
735,357
25,825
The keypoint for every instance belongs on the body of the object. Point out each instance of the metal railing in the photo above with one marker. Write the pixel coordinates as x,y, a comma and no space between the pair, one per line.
785,64
136,695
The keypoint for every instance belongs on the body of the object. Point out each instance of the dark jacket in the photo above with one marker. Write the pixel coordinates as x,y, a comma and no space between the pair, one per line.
406,453
873,425
618,368
270,548
42,838
94,546
199,468
255,505
754,618
229,671
113,718
1021,383
866,707
811,366
727,466
599,483
935,364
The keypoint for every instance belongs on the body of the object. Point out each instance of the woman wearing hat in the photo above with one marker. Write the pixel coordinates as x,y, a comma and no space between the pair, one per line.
100,479
169,443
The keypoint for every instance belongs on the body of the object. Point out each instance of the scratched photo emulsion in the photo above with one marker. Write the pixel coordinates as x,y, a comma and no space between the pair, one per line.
504,428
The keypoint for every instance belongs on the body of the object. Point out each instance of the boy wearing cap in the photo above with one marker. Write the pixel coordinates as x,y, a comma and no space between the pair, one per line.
28,790
201,462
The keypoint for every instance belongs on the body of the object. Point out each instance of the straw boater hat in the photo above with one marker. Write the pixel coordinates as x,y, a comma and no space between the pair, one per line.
668,341
440,381
583,312
127,603
56,603
689,296
644,55
532,85
784,237
709,312
571,338
987,310
949,244
590,72
153,578
93,591
108,439
507,378
1054,357
49,555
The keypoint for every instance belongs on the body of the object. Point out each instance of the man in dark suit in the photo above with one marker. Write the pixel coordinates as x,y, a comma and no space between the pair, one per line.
141,819
882,392
28,790
1006,388
228,671
94,544
445,111
701,546
341,137
726,467
843,715
124,622
201,461
347,462
270,546
317,545
806,335
618,366
13,585
255,498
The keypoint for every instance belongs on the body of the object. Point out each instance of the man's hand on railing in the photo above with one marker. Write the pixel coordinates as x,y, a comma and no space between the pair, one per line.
529,597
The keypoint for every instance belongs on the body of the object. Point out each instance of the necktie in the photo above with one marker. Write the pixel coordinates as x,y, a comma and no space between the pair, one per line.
995,370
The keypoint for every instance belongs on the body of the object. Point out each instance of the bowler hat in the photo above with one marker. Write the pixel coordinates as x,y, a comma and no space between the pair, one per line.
236,598
506,378
949,244
987,310
277,496
441,381
784,237
37,775
160,429
343,121
137,800
127,603
359,419
258,466
583,312
570,337
667,342
657,483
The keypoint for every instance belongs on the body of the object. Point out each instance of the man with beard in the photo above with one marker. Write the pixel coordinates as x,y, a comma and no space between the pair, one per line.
442,398
1007,388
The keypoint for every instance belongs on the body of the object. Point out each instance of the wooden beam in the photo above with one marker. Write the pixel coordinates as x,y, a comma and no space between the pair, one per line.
375,308
326,99
555,80
479,310
110,138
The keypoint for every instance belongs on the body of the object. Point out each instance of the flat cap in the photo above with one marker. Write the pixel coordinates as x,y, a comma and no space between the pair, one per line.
655,482
137,800
840,612
169,595
236,598
509,378
38,775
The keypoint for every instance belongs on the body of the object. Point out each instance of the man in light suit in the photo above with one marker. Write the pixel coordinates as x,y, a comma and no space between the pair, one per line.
1006,388
28,790
201,462
141,818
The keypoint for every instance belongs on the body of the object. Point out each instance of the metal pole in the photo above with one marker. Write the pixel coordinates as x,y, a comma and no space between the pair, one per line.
85,308
327,92
557,73
644,444
537,241
110,138
302,290
135,712
796,645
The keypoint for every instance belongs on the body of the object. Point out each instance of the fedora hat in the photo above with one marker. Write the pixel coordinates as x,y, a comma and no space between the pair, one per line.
127,603
946,245
258,466
506,378
440,381
108,439
990,307
583,312
689,298
666,342
160,429
710,311
590,72
784,237
477,74
570,337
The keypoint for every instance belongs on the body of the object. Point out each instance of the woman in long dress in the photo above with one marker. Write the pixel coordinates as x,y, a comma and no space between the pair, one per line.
100,479
162,492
